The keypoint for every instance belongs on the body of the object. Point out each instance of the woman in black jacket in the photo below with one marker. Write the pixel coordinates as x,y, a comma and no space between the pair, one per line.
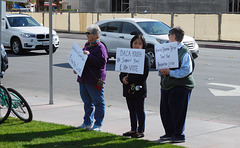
135,91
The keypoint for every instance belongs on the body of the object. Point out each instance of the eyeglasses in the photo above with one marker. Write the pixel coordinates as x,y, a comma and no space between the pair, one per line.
88,33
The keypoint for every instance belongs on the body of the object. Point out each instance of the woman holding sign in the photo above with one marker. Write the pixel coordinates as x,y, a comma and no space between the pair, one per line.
176,88
92,80
135,91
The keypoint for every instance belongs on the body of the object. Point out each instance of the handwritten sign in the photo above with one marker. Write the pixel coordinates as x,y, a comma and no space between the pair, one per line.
77,59
130,60
166,55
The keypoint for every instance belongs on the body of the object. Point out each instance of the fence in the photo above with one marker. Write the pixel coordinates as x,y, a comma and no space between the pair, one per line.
208,27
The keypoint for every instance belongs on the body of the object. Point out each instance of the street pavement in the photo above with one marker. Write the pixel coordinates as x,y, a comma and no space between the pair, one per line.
200,133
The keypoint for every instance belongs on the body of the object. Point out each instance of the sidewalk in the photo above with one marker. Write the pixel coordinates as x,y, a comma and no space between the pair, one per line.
199,133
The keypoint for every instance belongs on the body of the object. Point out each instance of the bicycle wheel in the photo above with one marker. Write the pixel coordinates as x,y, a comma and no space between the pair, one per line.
20,106
5,104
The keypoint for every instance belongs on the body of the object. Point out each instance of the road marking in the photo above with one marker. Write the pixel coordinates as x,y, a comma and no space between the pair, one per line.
217,92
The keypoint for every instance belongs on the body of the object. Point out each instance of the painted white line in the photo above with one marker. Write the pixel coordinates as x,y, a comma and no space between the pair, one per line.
217,92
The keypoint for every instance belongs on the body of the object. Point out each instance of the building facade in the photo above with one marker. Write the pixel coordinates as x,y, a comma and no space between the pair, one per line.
153,6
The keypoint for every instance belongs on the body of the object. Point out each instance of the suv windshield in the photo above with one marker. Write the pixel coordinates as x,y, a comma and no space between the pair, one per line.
154,28
22,22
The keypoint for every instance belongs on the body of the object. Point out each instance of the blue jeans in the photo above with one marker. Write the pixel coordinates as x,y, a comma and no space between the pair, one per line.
92,97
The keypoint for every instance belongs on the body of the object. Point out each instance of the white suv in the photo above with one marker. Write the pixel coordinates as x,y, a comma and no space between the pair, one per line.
118,33
22,32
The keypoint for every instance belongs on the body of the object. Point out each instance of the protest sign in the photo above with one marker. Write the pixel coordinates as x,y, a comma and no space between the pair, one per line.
130,60
77,59
166,55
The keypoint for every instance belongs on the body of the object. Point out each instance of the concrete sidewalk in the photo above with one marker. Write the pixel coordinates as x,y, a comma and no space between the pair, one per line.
199,133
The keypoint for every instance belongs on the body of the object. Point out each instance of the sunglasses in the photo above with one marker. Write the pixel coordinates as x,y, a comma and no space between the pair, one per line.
88,33
169,34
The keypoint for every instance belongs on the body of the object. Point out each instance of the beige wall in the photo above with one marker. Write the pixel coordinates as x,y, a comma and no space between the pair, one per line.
186,22
206,27
75,22
199,26
59,21
104,16
38,17
230,29
87,19
165,18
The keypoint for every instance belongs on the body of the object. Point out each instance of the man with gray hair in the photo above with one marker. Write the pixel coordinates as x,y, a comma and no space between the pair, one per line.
93,78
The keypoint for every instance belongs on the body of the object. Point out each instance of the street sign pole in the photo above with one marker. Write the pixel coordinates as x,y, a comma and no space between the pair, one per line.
1,31
1,22
50,55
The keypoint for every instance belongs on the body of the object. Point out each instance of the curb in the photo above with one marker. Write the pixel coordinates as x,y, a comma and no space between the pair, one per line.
233,46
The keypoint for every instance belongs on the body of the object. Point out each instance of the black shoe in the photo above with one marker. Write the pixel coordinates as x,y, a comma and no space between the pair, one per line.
129,134
177,139
165,137
137,135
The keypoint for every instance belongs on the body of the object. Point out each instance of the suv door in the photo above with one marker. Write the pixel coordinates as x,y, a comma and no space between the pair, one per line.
125,35
110,35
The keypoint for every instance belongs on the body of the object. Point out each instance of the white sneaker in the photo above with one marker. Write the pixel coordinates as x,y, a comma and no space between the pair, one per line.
96,128
84,126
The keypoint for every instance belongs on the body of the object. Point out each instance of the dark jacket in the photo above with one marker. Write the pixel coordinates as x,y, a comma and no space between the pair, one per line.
168,82
95,66
136,79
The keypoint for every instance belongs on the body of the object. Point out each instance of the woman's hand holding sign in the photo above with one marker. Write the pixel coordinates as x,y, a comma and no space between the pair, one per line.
125,80
86,52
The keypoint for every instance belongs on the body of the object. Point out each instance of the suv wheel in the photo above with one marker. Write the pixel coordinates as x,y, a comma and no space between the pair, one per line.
151,55
54,49
16,46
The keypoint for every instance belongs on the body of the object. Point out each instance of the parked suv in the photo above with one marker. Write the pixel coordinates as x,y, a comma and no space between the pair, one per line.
22,32
118,33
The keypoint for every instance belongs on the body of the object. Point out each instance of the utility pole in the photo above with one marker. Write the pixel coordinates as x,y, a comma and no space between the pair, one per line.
238,6
50,55
233,6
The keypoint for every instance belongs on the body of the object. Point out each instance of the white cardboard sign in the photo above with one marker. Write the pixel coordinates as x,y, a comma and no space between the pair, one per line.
130,60
77,59
166,55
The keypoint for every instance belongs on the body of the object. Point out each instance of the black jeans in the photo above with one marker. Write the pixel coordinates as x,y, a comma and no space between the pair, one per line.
173,110
137,113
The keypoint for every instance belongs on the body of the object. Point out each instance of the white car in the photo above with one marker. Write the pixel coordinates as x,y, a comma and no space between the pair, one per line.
118,33
22,32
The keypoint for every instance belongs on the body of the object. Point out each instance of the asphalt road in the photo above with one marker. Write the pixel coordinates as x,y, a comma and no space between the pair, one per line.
215,97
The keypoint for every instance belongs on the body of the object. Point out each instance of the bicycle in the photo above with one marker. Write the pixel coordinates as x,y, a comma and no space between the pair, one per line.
5,103
12,100
20,106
